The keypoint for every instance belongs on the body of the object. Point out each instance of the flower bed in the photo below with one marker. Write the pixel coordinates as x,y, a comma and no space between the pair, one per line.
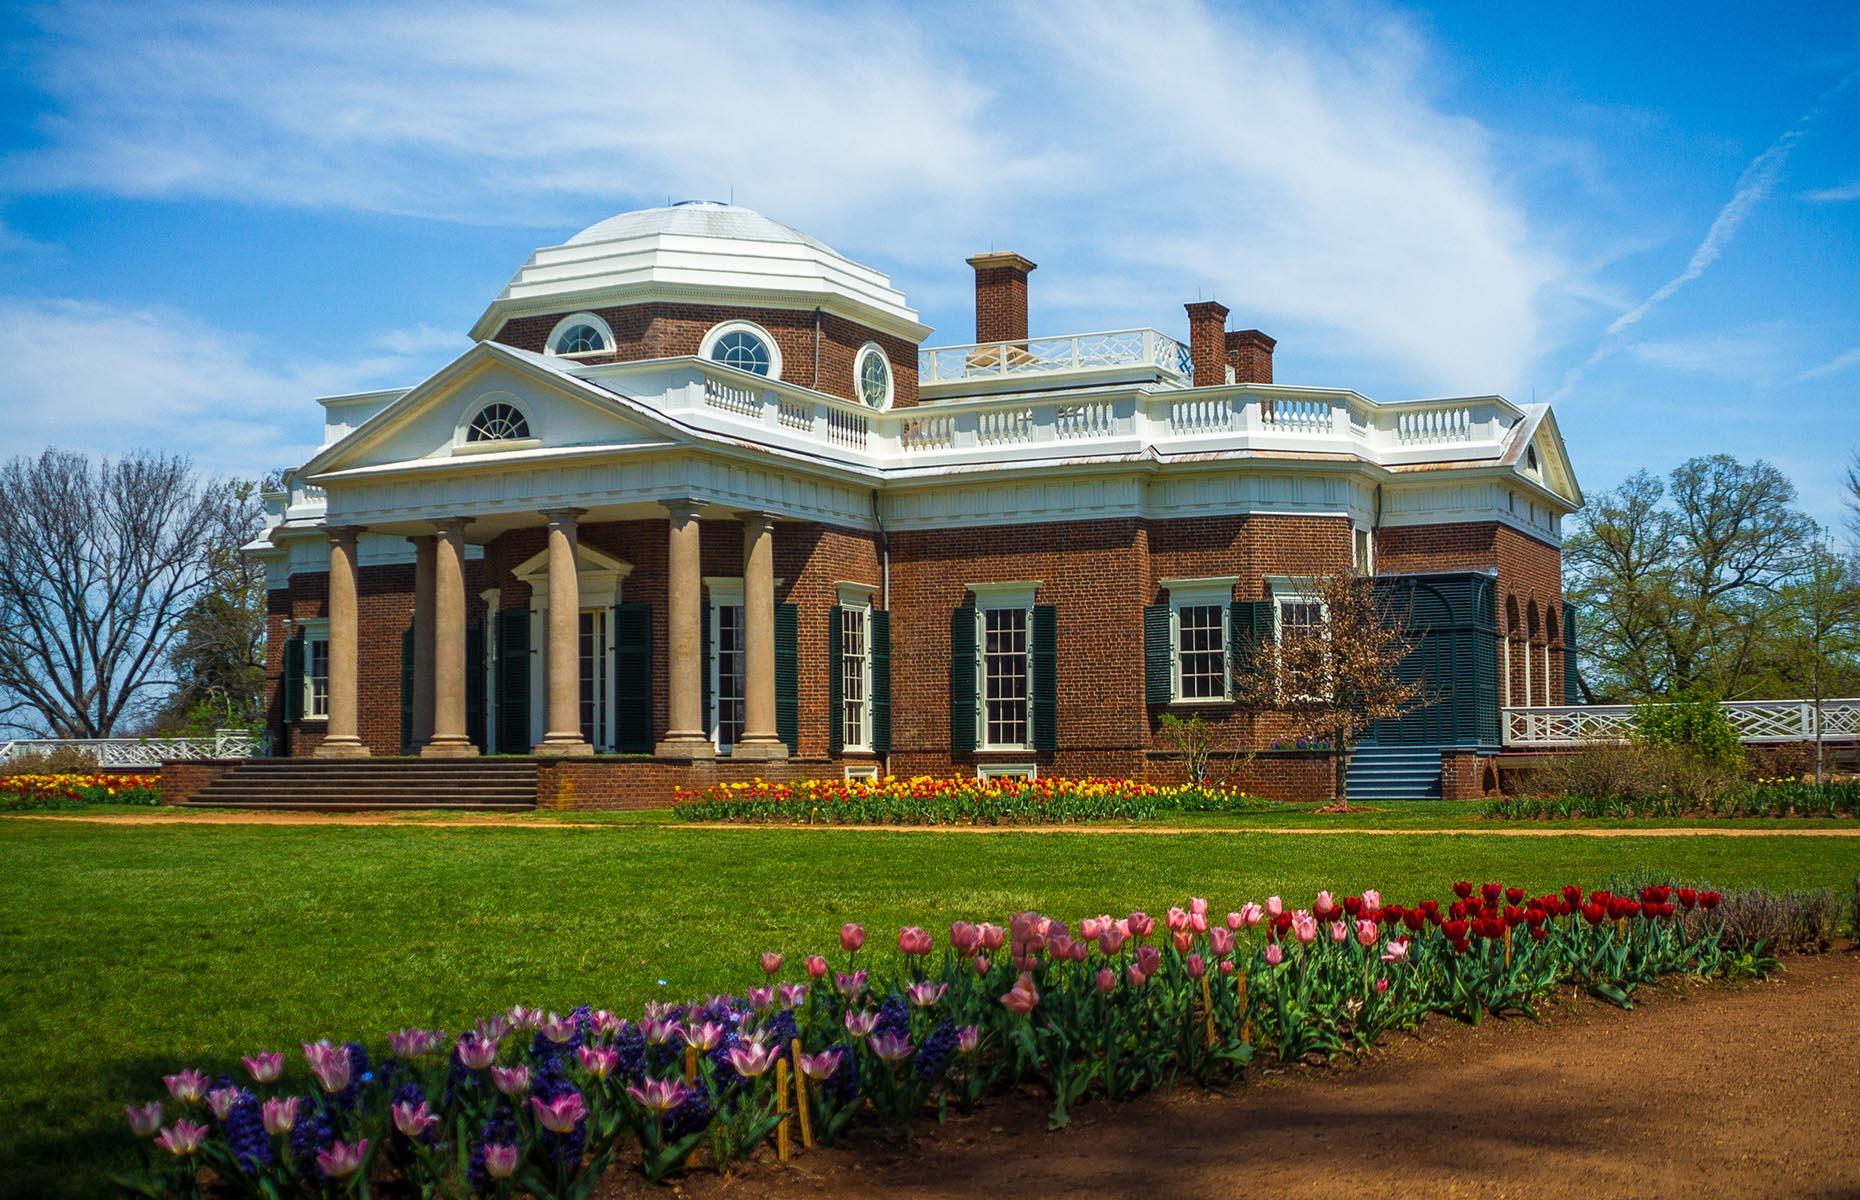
926,800
1764,798
532,1103
21,792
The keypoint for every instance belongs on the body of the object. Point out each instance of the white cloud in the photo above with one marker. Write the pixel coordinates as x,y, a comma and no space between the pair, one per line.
1840,194
1752,356
1846,360
1300,169
104,379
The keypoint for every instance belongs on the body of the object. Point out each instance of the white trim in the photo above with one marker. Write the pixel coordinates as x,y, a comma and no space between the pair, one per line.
315,629
1015,596
861,771
569,322
862,607
1209,589
891,377
1212,591
1013,593
468,410
1007,770
723,328
855,594
599,577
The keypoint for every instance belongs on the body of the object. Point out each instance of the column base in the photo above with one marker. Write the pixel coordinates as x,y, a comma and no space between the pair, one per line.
449,746
685,745
760,750
562,745
341,747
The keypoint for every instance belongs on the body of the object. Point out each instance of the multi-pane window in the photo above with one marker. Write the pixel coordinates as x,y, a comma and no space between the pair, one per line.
316,674
1301,618
1201,649
593,651
855,675
580,339
498,423
742,350
1005,677
729,674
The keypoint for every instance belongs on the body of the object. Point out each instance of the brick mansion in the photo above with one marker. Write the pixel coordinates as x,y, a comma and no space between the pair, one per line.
702,502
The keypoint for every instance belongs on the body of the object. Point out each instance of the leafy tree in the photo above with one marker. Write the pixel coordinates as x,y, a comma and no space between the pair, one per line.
219,656
1675,579
1818,627
1336,678
99,563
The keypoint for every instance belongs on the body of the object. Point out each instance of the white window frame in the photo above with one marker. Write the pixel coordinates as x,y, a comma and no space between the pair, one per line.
461,434
1291,591
1201,592
991,597
569,322
725,592
856,598
891,376
719,331
315,629
1018,770
861,771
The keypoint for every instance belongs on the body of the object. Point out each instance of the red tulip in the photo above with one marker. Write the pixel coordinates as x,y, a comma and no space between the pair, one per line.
1688,897
1709,900
1513,894
1463,889
1491,891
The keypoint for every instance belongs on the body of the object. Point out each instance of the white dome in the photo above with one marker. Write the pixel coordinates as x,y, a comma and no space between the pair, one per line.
696,218
705,253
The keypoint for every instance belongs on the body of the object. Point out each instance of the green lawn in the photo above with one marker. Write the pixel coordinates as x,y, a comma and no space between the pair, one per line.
127,950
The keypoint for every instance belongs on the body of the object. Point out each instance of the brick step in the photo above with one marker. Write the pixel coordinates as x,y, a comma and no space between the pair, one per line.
502,793
357,785
349,806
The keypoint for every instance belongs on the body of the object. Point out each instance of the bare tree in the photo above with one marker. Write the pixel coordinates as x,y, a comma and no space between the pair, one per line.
219,652
1819,621
98,562
1333,672
1853,499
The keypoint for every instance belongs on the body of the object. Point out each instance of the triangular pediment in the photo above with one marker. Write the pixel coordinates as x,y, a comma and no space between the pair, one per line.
543,409
1541,456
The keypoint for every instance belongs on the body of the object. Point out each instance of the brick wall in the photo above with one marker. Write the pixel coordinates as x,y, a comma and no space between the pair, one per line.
664,330
1000,297
182,780
609,784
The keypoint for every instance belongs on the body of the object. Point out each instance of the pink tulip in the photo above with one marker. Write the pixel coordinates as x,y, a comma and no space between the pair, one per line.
342,1158
494,1027
1372,898
187,1086
892,1047
280,1115
1275,954
1304,927
330,1064
1111,941
993,937
1183,941
820,1066
413,1043
525,1018
1382,987
1177,920
605,1023
1135,975
511,1081
1250,914
182,1138
1366,931
1274,905
1197,966
144,1121
1089,928
968,1037
413,1120
1141,924
1198,922
220,1102
557,1029
914,941
704,1036
1397,951
475,1052
771,962
816,966
659,1031
981,964
852,936
1198,906
761,999
1149,959
753,1058
659,1095
926,994
965,939
1227,966
1324,905
265,1066
859,1024
561,1114
1220,942
1107,980
598,1061
500,1159
1339,932
1022,997
793,995
1235,921
851,985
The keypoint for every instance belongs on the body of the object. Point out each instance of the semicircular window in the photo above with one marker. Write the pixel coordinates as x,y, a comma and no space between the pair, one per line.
498,423
743,350
580,339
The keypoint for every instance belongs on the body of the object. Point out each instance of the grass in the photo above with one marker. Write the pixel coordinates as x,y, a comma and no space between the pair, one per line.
128,950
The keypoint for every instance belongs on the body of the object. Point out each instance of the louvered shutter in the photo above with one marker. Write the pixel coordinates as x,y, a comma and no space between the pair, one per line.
1158,655
962,680
1045,677
633,678
294,677
879,647
787,672
406,692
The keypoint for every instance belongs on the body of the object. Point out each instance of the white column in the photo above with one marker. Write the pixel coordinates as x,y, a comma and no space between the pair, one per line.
562,732
449,738
685,616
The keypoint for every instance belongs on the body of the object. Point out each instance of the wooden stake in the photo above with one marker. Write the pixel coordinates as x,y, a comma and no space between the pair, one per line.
1207,1009
782,1151
1246,1022
690,1063
800,1097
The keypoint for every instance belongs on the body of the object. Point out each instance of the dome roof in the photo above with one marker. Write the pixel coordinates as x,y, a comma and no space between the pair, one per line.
699,252
696,218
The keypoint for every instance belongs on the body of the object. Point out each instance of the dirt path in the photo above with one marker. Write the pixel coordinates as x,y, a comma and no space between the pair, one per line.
211,817
1703,1090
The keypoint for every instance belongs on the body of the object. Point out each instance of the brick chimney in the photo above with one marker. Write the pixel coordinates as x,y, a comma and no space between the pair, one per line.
1207,344
1001,296
1249,352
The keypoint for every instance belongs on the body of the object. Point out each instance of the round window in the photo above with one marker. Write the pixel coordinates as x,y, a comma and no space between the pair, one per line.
580,339
874,377
498,423
743,350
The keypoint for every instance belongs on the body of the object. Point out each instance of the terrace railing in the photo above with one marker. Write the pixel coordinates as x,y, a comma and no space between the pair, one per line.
1756,722
1044,356
143,752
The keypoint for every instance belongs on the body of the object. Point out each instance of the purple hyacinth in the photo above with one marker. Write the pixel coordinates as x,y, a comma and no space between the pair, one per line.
245,1133
500,1127
894,1017
315,1131
935,1053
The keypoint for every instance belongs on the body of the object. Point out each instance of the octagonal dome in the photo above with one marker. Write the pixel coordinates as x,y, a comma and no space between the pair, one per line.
699,252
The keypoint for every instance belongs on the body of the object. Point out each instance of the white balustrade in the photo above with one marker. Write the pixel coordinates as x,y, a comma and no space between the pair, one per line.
927,433
732,397
1756,721
1093,419
1200,414
1039,356
847,428
1291,414
143,752
1433,426
1004,427
793,413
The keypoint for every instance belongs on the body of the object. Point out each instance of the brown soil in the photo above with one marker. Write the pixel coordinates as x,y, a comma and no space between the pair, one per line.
1702,1090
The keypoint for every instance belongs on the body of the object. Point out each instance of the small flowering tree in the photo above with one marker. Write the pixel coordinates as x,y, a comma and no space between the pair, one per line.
1334,677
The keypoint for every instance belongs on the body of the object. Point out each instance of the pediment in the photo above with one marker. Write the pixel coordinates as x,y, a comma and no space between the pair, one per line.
546,410
1543,443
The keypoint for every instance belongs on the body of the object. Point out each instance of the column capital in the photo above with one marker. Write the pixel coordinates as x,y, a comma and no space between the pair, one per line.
344,533
682,509
555,515
756,521
447,526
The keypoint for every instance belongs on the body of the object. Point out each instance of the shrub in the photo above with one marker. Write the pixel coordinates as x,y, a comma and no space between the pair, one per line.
1695,725
1766,798
925,800
1781,922
60,760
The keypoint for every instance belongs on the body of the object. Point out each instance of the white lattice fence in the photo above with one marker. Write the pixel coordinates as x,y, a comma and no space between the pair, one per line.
1756,721
142,752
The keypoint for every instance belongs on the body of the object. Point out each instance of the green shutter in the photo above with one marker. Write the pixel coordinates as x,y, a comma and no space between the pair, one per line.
704,668
294,677
1158,687
474,685
962,680
406,692
880,649
1572,681
513,681
1045,677
1251,624
633,678
787,672
836,725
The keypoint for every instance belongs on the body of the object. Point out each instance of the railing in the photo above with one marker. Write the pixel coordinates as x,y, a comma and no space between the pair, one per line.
144,752
1756,721
1433,426
1042,356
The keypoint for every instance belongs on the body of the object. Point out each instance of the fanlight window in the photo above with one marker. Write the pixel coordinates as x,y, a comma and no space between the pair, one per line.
874,377
580,339
498,423
743,350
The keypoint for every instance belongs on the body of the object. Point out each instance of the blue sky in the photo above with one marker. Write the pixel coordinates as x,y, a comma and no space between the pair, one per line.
1650,214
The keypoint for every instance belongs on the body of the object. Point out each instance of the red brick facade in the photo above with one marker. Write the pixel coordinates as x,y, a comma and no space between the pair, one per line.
666,330
1000,296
